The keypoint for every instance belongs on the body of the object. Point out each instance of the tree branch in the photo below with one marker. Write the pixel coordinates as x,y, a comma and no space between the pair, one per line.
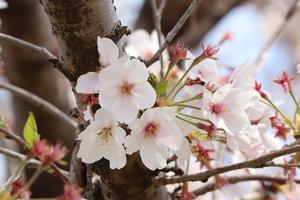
10,153
39,51
267,45
42,104
5,133
254,163
236,179
157,21
171,35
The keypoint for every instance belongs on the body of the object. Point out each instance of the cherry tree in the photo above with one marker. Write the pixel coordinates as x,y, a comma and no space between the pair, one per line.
147,109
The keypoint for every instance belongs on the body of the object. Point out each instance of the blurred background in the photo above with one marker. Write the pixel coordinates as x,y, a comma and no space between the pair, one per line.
250,24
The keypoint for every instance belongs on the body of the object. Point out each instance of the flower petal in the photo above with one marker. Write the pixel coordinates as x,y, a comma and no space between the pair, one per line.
90,150
144,96
153,155
170,135
108,51
86,83
133,142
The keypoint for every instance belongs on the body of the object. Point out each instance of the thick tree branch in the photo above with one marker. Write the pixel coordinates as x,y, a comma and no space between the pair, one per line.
171,35
39,51
236,179
254,163
39,102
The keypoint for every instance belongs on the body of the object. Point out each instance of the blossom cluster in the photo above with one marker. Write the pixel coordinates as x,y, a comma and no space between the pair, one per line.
174,114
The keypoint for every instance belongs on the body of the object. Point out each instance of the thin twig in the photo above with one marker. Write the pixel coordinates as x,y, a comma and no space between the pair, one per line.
254,163
7,134
171,35
39,51
10,153
41,103
267,45
157,21
236,179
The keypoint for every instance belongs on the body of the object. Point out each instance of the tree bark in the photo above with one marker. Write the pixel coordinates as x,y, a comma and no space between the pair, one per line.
77,25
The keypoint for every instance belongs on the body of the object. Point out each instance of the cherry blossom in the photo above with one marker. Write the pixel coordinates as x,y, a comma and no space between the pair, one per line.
108,54
153,135
124,90
144,45
226,107
200,75
70,193
298,68
3,4
141,44
103,138
285,81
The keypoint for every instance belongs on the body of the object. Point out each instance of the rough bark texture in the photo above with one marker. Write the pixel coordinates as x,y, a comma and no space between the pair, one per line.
77,25
208,13
25,19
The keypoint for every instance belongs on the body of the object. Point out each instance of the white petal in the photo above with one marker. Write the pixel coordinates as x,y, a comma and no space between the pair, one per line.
105,117
124,109
221,93
87,114
235,120
136,71
153,156
116,155
90,151
108,51
144,95
133,142
170,135
118,134
86,83
183,153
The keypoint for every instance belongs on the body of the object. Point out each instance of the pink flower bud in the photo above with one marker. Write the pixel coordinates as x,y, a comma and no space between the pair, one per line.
178,52
70,193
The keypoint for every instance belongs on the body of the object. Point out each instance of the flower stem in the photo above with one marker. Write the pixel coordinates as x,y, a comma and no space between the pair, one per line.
185,120
186,106
296,103
16,174
196,61
170,67
194,117
190,99
272,105
35,176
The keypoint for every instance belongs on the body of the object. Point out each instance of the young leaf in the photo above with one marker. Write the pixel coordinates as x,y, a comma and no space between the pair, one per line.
161,87
30,133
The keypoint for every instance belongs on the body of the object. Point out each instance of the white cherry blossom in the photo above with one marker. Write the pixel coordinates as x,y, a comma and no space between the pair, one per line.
108,53
225,107
3,4
153,135
144,45
204,73
124,89
103,138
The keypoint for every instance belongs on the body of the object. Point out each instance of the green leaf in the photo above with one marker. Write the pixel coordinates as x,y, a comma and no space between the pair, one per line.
161,87
2,124
30,133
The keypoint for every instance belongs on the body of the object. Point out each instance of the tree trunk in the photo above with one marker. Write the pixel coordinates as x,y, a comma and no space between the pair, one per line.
77,25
